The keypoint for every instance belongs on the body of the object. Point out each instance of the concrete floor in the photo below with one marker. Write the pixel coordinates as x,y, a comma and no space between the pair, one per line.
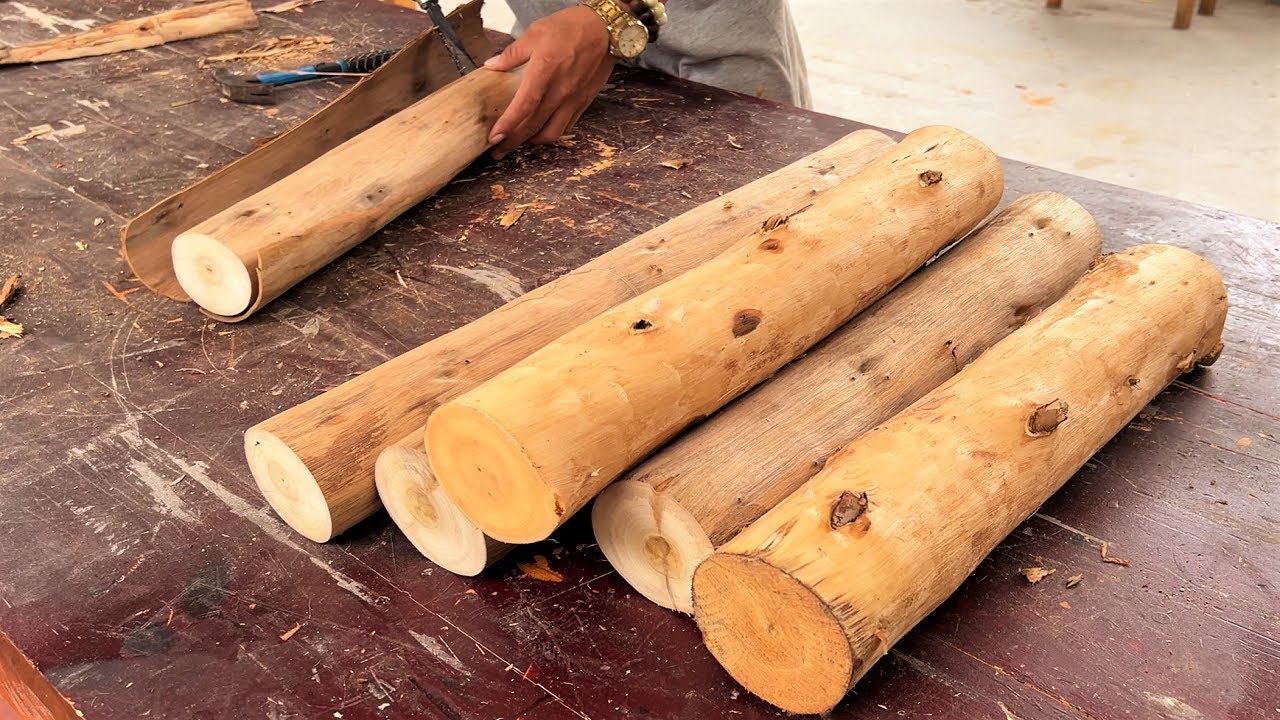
1102,88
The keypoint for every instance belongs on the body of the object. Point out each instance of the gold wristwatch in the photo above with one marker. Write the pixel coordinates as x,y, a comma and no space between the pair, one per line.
628,37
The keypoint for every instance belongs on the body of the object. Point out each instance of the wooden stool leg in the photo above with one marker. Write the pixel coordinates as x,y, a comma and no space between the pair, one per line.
1056,4
1208,6
1182,17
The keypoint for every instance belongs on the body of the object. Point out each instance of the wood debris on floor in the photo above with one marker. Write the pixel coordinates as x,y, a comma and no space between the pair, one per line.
1114,561
539,569
305,46
1036,574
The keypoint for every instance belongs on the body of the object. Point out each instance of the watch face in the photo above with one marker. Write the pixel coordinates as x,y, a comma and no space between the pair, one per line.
631,40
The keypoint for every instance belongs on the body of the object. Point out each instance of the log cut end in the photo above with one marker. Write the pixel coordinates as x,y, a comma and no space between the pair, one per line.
212,274
288,485
426,515
651,540
488,475
774,635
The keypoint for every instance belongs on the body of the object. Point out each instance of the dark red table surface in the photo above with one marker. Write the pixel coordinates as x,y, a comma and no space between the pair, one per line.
142,571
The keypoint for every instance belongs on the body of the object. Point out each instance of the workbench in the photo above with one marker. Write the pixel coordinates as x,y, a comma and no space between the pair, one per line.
143,573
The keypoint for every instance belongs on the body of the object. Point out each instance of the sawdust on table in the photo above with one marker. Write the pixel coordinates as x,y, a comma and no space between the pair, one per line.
1036,574
540,570
1107,559
290,632
511,216
10,289
9,328
674,164
606,152
302,47
1075,580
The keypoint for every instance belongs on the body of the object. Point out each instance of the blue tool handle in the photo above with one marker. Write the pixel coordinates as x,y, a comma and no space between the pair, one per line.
290,76
363,63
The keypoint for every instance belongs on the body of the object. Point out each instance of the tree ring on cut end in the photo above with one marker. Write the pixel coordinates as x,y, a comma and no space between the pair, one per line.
651,540
288,486
212,274
773,634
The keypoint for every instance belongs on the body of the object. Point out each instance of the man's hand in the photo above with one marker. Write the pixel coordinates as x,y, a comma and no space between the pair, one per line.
569,61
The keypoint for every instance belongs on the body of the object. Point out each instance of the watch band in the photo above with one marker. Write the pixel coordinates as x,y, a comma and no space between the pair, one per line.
640,9
628,36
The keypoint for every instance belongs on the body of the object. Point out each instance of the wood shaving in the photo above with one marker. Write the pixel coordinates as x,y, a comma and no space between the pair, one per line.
274,47
10,289
540,570
1075,580
1065,604
9,329
290,5
674,164
606,152
121,295
733,143
1113,561
511,216
34,131
290,632
1036,574
498,192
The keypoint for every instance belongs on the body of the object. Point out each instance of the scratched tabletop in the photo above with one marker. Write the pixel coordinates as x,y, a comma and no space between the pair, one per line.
143,573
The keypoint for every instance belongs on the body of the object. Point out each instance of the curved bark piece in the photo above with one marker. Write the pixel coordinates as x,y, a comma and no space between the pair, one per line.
420,68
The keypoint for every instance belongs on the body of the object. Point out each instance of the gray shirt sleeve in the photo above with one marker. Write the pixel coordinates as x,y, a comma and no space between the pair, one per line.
747,46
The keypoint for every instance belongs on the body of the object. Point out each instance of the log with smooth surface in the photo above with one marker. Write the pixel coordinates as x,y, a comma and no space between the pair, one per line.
426,515
667,515
180,24
245,256
525,450
315,461
802,602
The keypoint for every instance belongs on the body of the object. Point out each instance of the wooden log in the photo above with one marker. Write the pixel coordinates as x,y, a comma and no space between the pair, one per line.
665,516
314,462
419,69
524,451
247,255
425,514
25,694
180,24
800,604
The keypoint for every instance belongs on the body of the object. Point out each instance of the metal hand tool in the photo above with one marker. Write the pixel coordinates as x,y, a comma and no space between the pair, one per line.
257,89
452,42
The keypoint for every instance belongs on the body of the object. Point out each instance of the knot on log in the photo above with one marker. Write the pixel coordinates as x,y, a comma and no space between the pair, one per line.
641,325
930,177
1187,363
773,222
848,507
1046,418
1211,357
746,321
